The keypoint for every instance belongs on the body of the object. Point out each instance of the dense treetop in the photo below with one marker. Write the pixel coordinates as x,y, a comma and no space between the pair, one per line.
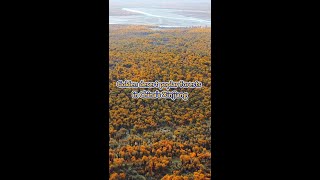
160,139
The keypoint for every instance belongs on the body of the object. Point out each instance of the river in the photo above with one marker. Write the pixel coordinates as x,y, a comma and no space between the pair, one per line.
163,17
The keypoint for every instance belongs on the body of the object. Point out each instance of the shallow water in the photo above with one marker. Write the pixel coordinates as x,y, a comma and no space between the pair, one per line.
163,17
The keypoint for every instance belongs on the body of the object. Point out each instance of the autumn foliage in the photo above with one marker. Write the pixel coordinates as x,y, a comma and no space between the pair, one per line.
159,139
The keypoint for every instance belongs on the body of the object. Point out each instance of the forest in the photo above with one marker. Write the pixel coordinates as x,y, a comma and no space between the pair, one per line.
159,139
